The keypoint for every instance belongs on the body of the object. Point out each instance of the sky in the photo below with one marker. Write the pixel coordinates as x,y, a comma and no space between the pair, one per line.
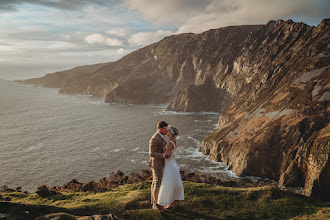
44,36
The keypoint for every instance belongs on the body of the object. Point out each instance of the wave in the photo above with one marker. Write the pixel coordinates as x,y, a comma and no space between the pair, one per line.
117,149
185,113
96,149
34,147
192,152
195,140
212,166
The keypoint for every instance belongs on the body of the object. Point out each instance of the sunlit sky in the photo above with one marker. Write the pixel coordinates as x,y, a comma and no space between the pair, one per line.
45,36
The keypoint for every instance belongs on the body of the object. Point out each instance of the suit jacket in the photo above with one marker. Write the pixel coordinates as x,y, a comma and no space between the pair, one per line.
156,152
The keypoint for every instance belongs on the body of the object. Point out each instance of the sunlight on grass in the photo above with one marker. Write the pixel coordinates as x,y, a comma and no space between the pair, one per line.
201,201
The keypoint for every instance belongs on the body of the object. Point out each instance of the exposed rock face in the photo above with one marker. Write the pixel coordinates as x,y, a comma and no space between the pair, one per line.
270,83
204,97
278,124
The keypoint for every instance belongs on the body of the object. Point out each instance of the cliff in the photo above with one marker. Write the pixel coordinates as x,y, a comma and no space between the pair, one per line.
277,125
176,68
269,82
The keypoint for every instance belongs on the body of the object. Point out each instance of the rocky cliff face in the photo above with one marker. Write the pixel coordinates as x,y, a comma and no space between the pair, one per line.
269,82
277,124
183,66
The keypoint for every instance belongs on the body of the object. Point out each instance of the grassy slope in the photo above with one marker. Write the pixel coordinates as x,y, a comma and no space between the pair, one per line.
202,201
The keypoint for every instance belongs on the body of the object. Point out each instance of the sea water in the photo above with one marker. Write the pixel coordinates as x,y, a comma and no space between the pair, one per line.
51,138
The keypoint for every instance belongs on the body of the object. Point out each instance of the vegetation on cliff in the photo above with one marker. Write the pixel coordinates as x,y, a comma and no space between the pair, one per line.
132,201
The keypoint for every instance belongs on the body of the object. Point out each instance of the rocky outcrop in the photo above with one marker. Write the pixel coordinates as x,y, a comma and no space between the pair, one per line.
98,217
269,82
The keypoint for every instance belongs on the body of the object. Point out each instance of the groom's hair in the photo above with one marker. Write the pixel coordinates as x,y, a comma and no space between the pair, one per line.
161,124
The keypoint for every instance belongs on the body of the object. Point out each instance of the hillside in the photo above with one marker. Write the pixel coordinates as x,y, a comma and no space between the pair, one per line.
132,201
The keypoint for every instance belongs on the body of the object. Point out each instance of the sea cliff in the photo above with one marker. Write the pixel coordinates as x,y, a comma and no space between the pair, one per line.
269,82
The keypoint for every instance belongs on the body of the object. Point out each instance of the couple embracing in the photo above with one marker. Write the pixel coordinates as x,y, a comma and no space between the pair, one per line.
167,185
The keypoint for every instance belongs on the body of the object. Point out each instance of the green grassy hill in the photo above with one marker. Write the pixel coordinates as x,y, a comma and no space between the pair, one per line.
202,201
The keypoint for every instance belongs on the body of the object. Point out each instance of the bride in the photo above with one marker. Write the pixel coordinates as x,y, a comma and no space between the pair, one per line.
171,188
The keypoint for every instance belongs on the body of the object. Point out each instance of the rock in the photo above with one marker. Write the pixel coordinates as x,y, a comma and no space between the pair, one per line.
206,97
43,191
5,188
57,216
98,217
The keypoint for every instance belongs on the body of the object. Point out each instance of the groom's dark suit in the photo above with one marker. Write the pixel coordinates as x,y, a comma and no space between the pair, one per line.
156,163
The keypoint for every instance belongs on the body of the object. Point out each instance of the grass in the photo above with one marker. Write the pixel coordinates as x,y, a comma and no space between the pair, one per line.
202,201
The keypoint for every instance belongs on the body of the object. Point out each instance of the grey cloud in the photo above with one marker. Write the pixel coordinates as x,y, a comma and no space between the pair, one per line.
197,16
169,11
9,5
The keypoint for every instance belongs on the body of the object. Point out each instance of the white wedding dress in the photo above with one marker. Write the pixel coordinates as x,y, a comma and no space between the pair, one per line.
171,187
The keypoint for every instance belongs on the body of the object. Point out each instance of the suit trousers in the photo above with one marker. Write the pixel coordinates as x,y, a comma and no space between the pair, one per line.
157,175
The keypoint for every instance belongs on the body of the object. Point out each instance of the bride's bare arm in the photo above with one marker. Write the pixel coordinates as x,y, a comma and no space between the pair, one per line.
170,147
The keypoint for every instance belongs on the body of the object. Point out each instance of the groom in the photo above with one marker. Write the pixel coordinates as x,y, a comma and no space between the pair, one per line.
156,162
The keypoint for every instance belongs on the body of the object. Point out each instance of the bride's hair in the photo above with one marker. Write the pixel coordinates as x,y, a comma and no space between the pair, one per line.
173,132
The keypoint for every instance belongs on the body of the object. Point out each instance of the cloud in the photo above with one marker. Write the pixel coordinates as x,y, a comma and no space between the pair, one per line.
95,38
197,16
9,5
121,32
145,38
168,11
121,51
60,45
48,39
100,39
50,35
113,42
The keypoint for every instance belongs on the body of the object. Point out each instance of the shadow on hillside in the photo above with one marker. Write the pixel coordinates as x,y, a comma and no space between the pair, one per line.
184,213
23,211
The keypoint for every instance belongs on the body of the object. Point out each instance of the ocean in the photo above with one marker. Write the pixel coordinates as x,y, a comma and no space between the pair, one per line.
51,138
